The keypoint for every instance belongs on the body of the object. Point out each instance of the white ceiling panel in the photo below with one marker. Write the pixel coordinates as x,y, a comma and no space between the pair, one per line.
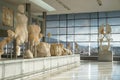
75,6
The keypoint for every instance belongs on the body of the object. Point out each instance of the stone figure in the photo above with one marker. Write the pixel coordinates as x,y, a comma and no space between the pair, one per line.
34,36
56,49
21,32
104,35
43,49
49,36
68,45
3,43
76,47
105,54
28,54
66,51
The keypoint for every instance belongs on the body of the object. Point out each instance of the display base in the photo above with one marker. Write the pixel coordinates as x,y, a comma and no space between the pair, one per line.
22,69
105,56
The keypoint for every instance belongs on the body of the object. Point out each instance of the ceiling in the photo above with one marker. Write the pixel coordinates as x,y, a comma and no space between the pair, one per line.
75,6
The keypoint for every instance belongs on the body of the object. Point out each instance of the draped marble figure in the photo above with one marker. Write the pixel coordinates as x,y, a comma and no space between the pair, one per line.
104,34
21,32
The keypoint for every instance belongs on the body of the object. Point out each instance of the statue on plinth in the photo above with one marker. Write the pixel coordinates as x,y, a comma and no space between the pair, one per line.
21,32
105,54
105,36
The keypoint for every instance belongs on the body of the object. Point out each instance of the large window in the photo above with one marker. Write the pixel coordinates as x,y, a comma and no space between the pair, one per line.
82,28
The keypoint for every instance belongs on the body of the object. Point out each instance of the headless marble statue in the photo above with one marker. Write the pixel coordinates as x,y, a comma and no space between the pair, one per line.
21,32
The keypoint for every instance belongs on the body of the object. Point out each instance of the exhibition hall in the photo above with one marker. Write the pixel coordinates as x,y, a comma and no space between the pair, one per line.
59,39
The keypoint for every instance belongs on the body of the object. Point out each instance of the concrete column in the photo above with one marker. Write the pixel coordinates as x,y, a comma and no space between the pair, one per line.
28,10
43,30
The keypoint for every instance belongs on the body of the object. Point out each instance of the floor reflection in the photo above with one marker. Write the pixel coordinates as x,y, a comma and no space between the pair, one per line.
89,70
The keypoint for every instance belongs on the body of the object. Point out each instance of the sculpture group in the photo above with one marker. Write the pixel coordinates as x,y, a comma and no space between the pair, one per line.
105,54
31,35
105,36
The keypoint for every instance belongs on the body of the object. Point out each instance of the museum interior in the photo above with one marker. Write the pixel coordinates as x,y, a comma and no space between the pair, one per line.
59,39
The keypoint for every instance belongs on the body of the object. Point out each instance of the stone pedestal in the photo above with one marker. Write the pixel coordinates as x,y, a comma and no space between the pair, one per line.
105,56
25,69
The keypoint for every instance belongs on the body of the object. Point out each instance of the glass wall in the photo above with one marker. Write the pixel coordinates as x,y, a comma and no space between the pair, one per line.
82,28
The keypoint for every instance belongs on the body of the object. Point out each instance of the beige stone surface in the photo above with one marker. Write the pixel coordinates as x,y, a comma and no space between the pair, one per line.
34,34
3,43
21,32
28,54
56,49
66,52
43,49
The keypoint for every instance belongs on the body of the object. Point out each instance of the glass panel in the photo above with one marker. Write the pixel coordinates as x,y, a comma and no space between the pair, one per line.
81,37
82,15
102,14
63,38
114,21
70,30
70,16
70,38
82,22
94,22
34,21
82,30
102,21
63,17
83,48
94,15
52,23
70,23
113,14
94,49
62,30
94,37
64,43
94,29
52,30
1,38
115,47
53,39
53,17
116,37
115,29
63,23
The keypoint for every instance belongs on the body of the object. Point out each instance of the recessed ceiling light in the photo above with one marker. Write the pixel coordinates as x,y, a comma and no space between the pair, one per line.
61,3
43,4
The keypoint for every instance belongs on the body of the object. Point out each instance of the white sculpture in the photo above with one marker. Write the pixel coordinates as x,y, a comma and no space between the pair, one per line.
28,54
43,49
21,32
105,35
105,54
66,51
3,43
34,36
56,49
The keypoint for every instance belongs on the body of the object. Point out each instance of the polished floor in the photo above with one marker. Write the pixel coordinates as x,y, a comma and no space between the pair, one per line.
89,70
